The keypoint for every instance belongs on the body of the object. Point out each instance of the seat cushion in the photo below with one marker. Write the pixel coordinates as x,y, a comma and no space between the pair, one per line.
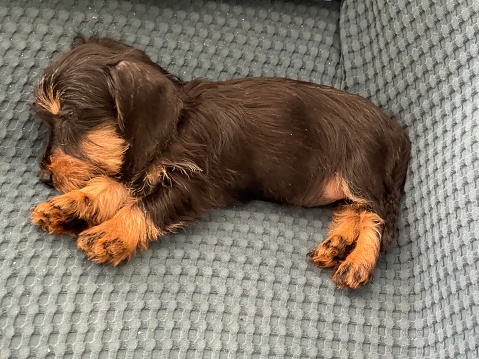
420,61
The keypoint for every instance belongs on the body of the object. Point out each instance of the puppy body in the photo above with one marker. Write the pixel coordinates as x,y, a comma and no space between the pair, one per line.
177,149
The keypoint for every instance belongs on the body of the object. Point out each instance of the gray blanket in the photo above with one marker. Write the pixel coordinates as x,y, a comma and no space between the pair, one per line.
238,284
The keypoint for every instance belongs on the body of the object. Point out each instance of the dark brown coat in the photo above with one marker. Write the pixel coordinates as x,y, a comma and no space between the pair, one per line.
151,152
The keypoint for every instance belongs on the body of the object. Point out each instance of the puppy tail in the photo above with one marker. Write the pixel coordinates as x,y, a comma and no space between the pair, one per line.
394,185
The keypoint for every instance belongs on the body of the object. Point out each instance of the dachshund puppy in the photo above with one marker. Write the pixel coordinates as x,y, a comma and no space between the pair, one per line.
137,153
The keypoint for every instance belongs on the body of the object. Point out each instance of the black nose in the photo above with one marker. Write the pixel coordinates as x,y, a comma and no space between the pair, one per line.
46,177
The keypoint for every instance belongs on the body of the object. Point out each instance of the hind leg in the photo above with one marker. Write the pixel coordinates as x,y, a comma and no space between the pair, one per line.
342,236
352,247
358,267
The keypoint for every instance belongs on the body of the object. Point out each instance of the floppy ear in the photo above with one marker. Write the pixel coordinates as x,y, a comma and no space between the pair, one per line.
148,105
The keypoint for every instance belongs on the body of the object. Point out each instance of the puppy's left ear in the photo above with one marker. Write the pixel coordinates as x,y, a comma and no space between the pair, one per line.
148,104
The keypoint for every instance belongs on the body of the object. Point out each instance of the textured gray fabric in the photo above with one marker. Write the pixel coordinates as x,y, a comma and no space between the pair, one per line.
420,60
238,283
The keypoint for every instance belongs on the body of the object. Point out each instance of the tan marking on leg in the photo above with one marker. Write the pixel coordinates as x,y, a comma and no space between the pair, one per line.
117,239
106,197
343,232
359,265
69,213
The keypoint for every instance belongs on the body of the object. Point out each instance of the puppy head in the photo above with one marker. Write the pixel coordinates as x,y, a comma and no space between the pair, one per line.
108,108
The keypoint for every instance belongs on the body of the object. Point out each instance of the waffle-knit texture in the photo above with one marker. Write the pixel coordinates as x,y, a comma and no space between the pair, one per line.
420,60
238,284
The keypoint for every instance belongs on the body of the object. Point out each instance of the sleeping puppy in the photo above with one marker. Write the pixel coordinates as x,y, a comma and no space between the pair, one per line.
138,153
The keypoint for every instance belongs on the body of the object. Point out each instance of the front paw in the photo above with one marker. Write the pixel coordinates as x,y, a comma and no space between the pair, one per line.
107,243
116,240
58,216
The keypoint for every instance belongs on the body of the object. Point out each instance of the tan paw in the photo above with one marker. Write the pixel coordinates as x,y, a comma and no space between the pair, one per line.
353,273
59,215
331,252
107,243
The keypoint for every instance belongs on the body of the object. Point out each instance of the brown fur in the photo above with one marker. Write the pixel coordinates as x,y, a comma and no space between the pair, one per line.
159,171
47,98
139,153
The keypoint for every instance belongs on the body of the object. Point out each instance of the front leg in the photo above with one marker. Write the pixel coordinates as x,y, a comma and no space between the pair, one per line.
138,223
118,238
77,210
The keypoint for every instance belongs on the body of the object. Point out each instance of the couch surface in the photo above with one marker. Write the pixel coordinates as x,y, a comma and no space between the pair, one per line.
238,284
